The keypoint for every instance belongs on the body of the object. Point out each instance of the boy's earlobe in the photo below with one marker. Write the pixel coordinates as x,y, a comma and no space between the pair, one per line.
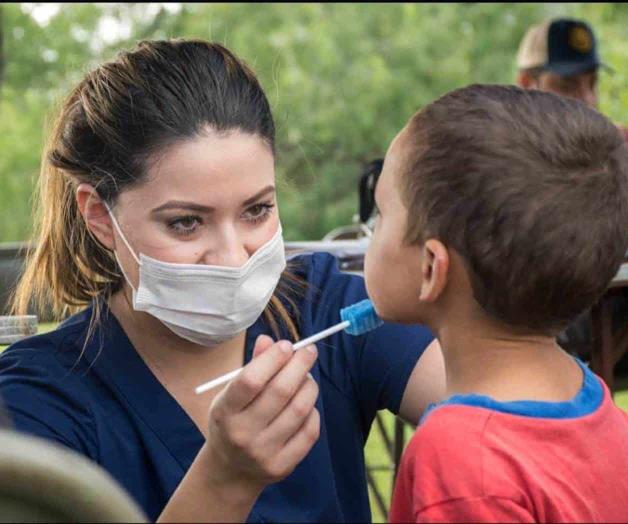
434,270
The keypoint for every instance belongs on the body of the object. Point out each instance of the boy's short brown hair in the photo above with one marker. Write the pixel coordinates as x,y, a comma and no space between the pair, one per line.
530,188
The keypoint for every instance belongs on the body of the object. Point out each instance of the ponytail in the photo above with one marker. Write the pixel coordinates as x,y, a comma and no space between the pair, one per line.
66,268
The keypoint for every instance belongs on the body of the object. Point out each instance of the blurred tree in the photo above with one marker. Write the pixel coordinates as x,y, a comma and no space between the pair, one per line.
1,48
342,78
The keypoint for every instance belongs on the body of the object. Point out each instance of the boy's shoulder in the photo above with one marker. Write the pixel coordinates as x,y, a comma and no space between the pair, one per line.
465,452
446,453
470,452
450,431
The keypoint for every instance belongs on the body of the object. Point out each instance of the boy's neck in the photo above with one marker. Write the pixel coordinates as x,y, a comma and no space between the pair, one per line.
486,359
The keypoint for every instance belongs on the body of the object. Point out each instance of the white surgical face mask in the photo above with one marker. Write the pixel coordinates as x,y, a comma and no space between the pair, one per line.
205,304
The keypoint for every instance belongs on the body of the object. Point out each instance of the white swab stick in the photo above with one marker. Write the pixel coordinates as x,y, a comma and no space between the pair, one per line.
301,344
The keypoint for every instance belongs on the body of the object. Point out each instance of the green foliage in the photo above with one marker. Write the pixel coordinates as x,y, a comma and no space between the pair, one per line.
342,80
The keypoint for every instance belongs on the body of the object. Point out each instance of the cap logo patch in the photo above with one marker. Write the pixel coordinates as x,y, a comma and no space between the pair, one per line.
580,39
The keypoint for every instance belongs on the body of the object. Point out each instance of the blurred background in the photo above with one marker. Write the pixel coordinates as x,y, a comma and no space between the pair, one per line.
342,79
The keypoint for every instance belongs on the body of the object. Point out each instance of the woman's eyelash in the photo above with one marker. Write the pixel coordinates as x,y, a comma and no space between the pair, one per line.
265,209
185,225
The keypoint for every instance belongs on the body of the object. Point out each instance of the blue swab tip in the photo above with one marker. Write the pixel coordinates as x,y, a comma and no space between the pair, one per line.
362,317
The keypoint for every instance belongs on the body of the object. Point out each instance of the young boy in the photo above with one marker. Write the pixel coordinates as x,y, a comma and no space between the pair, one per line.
503,214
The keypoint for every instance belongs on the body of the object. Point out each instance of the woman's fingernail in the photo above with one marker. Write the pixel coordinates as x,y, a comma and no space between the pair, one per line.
312,349
310,375
285,346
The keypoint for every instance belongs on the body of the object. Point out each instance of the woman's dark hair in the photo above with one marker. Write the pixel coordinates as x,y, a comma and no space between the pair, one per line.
366,188
108,131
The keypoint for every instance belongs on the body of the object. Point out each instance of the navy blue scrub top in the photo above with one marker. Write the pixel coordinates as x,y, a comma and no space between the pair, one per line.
111,408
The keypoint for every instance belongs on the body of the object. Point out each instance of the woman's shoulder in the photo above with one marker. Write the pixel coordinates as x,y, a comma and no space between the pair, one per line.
314,263
325,282
42,392
48,361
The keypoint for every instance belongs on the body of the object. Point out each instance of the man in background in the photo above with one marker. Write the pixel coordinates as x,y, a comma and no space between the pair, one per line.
561,56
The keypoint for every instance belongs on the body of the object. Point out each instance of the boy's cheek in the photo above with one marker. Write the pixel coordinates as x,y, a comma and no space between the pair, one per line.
372,275
379,284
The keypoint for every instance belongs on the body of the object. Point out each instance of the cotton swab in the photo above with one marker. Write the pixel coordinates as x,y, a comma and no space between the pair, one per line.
357,319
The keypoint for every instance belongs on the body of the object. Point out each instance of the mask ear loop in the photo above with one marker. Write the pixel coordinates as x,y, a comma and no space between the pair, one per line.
126,242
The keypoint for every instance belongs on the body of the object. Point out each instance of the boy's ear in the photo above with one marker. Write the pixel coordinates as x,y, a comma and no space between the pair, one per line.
434,270
95,214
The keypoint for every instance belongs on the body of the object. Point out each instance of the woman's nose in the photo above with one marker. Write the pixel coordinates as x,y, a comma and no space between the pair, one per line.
230,252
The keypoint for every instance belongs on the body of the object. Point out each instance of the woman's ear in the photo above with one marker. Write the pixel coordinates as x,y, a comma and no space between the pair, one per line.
95,214
434,270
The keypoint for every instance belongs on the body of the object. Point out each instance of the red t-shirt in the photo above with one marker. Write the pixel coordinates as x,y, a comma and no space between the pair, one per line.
473,459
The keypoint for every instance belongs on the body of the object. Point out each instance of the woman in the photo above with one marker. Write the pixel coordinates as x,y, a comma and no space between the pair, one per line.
159,230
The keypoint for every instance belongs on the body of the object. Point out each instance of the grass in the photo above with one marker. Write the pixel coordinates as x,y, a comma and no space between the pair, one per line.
376,455
375,450
621,399
44,327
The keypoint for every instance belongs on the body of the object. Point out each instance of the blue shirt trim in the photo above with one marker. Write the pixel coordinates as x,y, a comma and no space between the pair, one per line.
586,401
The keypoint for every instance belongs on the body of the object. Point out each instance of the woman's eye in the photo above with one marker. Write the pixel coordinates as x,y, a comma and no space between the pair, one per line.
185,225
258,212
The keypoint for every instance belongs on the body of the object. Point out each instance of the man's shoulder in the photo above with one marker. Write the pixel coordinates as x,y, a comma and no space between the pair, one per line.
624,131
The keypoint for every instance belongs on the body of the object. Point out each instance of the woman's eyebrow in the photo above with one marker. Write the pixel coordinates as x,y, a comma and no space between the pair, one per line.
260,194
183,204
193,206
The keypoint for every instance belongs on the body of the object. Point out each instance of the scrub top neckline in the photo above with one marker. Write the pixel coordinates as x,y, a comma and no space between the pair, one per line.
144,393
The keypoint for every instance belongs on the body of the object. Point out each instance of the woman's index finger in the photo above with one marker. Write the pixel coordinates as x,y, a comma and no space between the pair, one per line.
256,374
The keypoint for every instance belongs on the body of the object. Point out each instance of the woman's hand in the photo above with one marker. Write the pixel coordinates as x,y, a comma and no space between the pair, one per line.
264,422
260,427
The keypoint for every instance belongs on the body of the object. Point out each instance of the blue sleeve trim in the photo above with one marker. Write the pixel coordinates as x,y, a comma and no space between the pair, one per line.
586,401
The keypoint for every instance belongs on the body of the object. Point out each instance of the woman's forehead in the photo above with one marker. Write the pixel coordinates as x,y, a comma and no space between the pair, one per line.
212,169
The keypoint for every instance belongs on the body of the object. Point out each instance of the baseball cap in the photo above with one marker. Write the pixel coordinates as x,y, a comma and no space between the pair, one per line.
563,46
